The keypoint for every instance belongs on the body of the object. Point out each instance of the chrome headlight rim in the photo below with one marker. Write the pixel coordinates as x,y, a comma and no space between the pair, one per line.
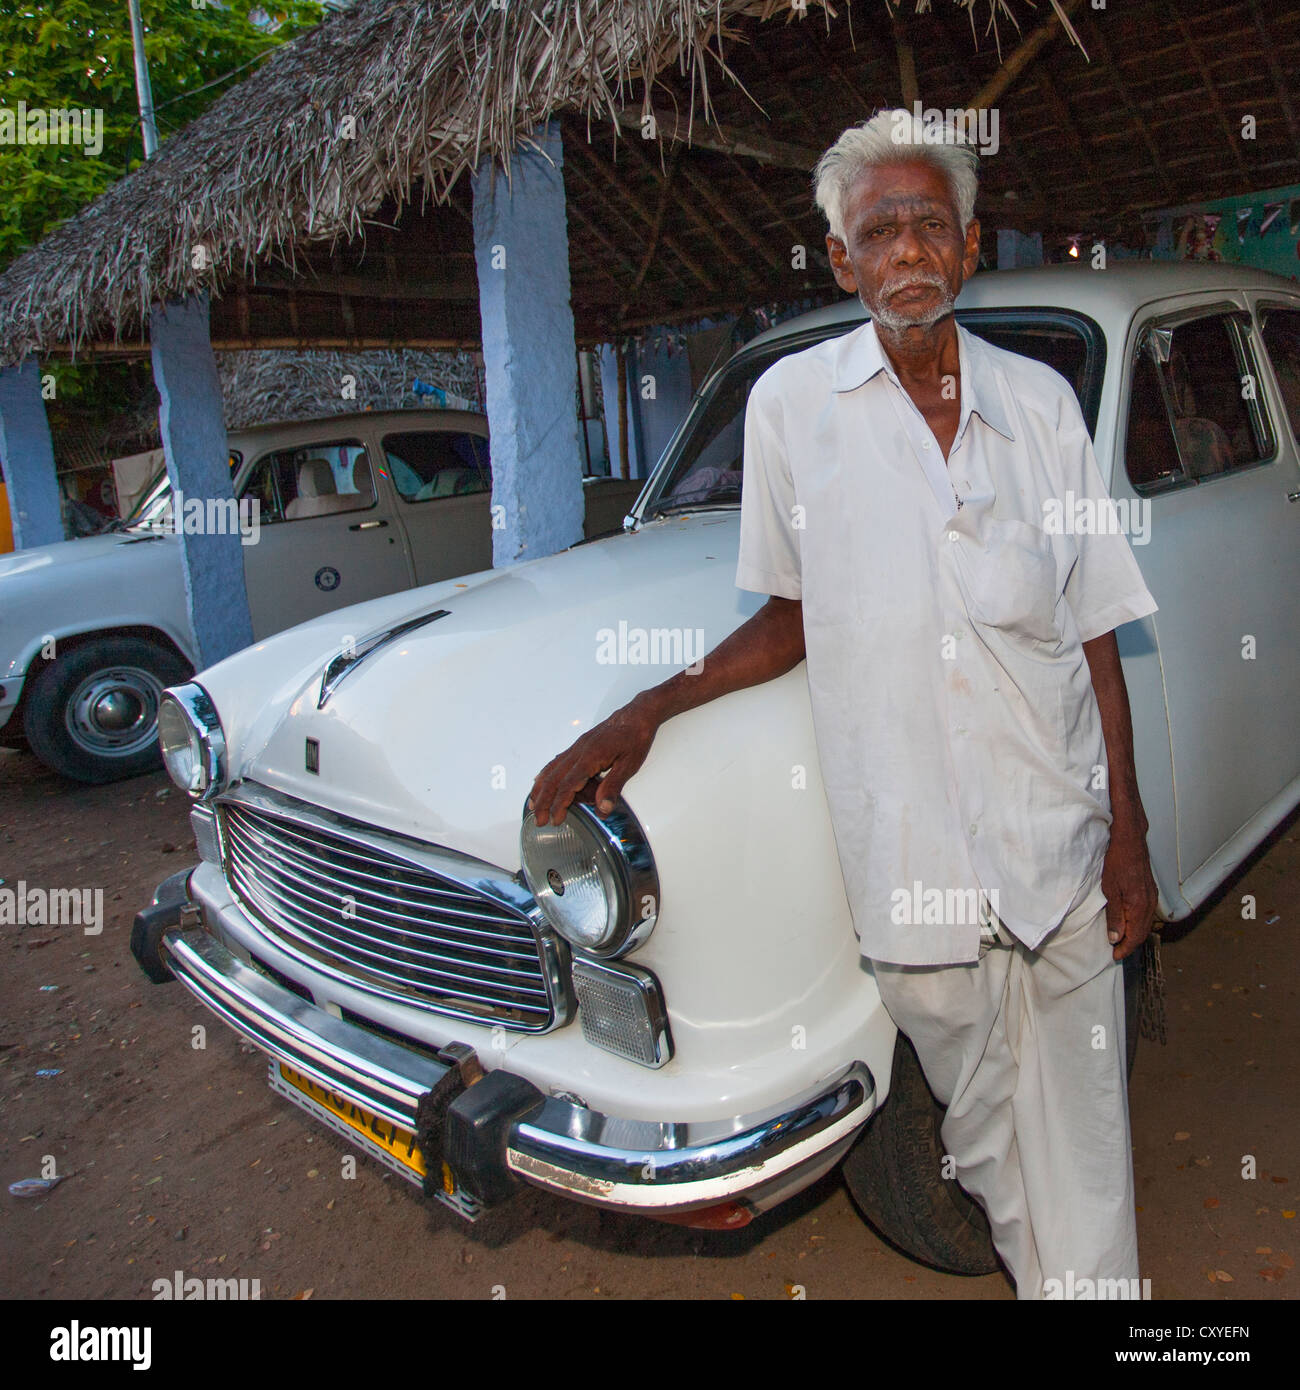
204,725
626,849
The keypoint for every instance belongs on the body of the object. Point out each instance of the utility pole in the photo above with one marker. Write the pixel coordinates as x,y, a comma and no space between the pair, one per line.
148,129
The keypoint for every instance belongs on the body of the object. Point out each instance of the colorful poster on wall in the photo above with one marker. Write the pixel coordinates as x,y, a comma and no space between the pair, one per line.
1196,238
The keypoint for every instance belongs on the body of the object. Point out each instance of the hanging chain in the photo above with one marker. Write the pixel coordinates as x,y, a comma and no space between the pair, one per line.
1151,996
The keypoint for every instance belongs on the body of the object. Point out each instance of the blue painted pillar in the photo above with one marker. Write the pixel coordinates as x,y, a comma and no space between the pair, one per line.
27,456
521,249
1019,248
663,389
193,426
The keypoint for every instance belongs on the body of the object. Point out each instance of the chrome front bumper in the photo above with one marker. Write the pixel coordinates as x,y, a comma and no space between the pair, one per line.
624,1164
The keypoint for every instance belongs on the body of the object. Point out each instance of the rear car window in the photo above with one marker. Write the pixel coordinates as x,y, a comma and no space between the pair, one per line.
1196,409
427,465
1281,332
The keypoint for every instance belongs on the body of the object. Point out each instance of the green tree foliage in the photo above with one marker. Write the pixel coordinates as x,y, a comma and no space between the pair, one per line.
76,54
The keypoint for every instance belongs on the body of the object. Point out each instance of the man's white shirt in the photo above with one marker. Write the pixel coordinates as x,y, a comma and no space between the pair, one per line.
959,737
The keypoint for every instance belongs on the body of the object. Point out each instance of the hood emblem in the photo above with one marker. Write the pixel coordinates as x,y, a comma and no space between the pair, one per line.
342,666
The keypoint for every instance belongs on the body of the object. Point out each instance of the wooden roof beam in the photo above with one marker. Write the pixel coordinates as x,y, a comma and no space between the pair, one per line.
704,225
1047,83
361,287
625,193
744,144
724,210
1024,54
1233,137
780,217
599,191
1136,117
586,184
827,57
611,248
906,59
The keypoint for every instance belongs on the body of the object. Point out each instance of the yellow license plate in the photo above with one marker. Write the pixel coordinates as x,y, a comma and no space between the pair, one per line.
375,1131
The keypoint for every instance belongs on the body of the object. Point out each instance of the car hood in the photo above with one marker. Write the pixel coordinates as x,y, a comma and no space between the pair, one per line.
115,580
87,550
439,733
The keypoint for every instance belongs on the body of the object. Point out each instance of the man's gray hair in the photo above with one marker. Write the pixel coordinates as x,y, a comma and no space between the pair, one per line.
892,137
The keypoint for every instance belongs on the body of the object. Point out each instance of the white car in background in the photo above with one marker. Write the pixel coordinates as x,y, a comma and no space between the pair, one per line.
351,507
663,1010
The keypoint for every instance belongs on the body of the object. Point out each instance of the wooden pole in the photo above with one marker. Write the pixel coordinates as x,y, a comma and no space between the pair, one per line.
1025,54
906,61
623,461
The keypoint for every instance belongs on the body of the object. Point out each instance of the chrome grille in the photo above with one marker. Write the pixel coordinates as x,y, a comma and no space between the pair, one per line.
383,922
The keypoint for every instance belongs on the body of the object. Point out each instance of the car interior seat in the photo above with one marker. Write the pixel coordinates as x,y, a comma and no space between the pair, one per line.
317,495
1202,443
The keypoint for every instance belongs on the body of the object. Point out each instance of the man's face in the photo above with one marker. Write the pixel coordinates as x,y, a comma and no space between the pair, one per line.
905,255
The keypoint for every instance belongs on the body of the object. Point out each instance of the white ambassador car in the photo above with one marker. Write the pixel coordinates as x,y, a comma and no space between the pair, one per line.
349,507
663,1010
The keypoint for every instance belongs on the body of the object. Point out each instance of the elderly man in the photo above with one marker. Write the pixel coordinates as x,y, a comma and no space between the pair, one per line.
971,716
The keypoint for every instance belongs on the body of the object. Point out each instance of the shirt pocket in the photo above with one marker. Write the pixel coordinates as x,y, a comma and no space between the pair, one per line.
1008,574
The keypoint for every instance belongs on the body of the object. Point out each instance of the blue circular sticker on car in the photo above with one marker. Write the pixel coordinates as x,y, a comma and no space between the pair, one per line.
327,578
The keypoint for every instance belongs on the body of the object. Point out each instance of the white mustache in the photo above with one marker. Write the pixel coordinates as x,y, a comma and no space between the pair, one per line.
932,281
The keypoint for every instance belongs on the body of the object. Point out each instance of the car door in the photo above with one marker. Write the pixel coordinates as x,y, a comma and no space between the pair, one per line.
328,534
443,482
1208,450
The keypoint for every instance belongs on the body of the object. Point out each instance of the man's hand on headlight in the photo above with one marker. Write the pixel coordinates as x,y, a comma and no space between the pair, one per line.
617,747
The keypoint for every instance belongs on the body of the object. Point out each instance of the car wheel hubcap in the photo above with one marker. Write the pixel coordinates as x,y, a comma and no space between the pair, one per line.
114,713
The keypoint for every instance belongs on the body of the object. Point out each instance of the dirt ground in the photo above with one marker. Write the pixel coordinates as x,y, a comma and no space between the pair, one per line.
181,1159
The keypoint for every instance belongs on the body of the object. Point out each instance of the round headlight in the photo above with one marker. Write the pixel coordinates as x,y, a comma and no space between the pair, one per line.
193,746
594,878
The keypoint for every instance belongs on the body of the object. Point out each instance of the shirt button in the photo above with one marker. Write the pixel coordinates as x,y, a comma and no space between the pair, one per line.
925,444
974,829
952,535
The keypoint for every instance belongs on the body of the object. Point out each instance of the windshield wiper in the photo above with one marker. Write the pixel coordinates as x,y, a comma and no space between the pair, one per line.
705,504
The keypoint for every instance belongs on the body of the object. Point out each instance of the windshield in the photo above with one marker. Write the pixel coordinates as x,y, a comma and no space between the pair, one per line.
154,509
155,505
703,468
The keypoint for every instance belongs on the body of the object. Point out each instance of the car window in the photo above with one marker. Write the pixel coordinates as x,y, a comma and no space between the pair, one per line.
311,480
1282,343
1059,345
1195,408
1150,453
706,465
430,464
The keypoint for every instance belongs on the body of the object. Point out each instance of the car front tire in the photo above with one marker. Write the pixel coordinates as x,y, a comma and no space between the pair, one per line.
92,714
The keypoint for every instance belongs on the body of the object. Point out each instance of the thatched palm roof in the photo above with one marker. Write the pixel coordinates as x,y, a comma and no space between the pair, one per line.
431,86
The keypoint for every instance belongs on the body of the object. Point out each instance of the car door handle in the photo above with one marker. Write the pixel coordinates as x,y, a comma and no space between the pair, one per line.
1293,497
366,525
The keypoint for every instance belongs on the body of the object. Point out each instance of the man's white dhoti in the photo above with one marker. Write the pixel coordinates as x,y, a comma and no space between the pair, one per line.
1026,1049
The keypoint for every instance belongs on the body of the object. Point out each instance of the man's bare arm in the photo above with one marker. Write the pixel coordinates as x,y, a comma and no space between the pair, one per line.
768,645
1126,879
